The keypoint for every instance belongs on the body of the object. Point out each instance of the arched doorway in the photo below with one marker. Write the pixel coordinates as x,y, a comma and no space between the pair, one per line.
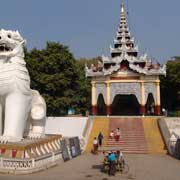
125,105
101,106
150,105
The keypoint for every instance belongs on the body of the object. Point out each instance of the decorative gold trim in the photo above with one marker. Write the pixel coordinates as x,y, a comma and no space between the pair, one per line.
26,146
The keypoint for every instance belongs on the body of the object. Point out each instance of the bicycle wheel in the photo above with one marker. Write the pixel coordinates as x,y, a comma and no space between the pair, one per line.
105,168
125,169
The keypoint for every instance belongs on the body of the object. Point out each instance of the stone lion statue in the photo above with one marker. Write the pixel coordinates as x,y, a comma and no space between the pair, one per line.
22,110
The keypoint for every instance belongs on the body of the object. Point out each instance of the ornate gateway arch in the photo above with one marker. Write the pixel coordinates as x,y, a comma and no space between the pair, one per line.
126,89
125,73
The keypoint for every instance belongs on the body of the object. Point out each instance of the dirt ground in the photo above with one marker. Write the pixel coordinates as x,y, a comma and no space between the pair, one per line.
87,167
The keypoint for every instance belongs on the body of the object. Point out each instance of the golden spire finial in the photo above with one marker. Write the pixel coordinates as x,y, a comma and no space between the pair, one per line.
122,6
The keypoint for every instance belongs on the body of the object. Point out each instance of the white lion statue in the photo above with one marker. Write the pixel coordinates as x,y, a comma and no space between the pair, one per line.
22,110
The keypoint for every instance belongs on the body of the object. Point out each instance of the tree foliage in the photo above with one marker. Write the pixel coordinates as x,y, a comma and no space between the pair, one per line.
88,62
58,77
170,85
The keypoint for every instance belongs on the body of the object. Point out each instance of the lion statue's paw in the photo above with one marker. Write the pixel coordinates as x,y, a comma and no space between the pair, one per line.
6,139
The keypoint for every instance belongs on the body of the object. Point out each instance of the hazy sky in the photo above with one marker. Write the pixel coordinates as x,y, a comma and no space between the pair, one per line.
88,26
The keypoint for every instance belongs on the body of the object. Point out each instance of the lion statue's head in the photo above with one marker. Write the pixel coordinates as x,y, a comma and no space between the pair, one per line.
11,44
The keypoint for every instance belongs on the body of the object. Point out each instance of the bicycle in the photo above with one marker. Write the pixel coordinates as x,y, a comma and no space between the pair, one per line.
121,166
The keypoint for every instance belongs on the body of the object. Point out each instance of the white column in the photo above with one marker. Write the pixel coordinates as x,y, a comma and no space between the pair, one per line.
108,94
108,99
143,94
93,91
158,93
143,100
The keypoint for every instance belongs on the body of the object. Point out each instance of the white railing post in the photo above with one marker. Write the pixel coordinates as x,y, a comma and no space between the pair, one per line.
53,157
28,164
1,162
33,163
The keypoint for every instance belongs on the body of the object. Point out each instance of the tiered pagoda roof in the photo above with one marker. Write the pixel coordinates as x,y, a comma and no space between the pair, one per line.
124,55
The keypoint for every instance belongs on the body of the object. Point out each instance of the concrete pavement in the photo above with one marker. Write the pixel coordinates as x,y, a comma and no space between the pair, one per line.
142,167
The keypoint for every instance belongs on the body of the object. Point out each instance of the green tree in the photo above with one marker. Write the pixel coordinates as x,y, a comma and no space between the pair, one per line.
170,85
89,61
54,73
85,83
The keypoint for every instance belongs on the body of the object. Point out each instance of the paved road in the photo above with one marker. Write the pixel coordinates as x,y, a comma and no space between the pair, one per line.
87,167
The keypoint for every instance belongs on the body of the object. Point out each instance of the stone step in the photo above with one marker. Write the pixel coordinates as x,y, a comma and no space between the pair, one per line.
129,148
99,124
125,151
132,139
128,138
127,142
153,136
123,135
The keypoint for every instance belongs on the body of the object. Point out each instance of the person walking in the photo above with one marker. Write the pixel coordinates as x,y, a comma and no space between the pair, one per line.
117,136
111,135
95,145
100,139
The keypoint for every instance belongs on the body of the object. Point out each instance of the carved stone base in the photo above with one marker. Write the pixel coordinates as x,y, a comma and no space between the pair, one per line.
30,155
30,148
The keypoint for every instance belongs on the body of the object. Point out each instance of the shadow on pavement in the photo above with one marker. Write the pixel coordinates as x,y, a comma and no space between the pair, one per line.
99,167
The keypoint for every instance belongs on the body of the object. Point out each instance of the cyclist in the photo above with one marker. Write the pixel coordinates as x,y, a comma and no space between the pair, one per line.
112,167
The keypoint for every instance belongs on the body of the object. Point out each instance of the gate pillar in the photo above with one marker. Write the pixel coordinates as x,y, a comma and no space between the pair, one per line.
94,101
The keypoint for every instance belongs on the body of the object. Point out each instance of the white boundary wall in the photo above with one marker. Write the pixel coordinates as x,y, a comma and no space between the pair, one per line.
66,126
173,125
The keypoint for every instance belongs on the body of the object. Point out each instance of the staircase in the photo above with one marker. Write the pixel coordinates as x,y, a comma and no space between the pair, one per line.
153,137
100,124
138,135
132,138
